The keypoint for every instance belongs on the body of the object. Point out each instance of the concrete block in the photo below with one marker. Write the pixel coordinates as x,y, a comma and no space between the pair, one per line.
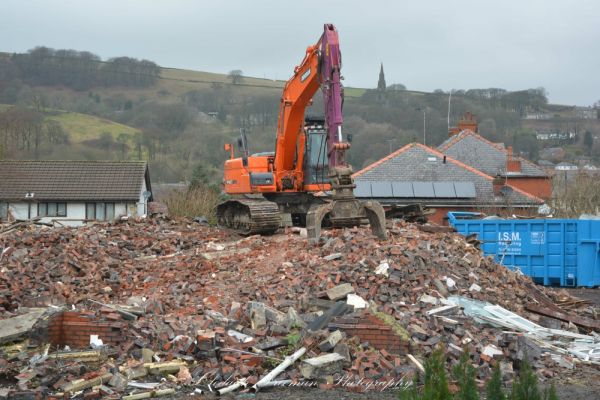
322,365
340,291
331,341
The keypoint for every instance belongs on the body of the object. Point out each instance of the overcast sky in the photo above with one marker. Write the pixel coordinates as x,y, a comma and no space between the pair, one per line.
423,44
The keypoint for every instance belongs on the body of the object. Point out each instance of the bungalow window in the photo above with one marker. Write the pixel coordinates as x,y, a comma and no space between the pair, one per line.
131,209
100,211
3,211
100,214
52,209
110,211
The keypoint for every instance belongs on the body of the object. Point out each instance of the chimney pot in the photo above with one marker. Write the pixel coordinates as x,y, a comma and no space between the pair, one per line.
512,164
466,122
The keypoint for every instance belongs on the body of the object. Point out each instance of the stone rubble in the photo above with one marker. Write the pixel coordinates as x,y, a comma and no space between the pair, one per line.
205,308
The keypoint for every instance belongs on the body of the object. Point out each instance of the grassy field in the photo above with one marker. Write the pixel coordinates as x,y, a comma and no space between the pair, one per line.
83,127
210,77
354,92
172,85
179,81
175,82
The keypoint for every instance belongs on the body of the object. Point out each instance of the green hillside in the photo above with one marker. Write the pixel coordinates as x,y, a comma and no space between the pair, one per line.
179,119
174,82
82,127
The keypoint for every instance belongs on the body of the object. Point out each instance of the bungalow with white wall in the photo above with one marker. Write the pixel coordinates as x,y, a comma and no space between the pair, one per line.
73,192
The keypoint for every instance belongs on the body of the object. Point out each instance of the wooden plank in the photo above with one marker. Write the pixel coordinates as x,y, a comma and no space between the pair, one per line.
81,384
563,316
149,395
416,362
436,229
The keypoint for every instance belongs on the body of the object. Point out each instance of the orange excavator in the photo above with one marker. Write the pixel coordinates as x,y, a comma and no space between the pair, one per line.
306,181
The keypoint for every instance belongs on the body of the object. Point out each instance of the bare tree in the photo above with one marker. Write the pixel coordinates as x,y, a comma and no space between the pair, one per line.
576,196
122,139
56,133
236,76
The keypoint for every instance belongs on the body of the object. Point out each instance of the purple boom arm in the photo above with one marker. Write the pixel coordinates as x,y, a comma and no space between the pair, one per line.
331,64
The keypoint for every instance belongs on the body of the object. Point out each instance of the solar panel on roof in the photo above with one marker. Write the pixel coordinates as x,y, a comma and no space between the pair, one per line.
363,189
402,189
465,189
444,189
423,189
381,189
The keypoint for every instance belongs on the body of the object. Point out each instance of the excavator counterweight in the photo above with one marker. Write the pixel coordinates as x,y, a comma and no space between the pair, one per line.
306,181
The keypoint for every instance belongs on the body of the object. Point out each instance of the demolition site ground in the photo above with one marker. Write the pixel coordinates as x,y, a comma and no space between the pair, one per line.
173,308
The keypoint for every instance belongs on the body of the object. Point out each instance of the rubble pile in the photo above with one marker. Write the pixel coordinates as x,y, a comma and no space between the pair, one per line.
206,309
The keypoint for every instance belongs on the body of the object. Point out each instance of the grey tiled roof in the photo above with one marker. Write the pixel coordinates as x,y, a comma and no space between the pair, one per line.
416,162
476,151
73,180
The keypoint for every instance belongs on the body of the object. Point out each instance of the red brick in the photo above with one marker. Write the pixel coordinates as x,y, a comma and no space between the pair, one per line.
243,370
94,394
254,361
385,363
76,324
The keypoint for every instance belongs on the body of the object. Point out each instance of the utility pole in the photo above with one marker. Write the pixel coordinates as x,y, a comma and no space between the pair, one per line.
424,137
390,141
449,99
424,112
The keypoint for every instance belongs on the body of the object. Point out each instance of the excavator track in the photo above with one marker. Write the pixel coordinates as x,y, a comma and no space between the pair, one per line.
249,216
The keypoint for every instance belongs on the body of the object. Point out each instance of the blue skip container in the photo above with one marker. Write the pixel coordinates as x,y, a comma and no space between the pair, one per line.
557,252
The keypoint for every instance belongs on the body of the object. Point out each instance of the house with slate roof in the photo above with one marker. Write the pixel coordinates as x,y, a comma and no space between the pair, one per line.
73,192
468,146
417,174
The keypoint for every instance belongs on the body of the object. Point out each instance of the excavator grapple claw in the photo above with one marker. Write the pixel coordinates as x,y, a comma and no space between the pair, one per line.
376,217
344,210
345,213
314,219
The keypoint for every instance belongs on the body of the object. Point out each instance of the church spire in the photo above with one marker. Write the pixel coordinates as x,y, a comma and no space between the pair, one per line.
381,83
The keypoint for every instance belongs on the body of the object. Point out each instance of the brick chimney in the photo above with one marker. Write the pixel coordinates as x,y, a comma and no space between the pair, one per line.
498,184
512,165
466,122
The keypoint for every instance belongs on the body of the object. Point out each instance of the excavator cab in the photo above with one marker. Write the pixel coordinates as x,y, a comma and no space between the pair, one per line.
316,168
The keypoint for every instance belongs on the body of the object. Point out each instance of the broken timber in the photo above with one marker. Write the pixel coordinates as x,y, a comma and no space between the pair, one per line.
563,316
148,395
82,384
